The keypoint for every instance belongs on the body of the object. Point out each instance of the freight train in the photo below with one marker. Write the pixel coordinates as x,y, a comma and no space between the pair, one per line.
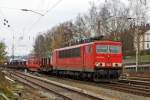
97,60
16,64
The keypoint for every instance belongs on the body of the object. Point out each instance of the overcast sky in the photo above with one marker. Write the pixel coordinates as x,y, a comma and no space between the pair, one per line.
27,25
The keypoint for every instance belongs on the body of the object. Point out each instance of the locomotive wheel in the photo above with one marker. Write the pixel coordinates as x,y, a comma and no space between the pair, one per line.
96,76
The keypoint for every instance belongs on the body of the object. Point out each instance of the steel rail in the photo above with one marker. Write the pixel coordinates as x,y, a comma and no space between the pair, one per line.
128,86
74,92
35,85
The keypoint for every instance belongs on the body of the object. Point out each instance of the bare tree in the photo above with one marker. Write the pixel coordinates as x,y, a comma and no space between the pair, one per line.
39,46
113,17
2,53
80,28
138,18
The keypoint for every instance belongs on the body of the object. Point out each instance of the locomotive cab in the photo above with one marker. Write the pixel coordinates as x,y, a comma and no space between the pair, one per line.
108,60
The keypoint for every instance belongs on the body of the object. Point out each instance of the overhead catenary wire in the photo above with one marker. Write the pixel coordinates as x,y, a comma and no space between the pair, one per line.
34,10
11,8
46,11
52,7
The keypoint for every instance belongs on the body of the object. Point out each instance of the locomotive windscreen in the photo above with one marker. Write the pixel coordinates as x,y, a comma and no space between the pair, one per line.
108,49
102,48
114,49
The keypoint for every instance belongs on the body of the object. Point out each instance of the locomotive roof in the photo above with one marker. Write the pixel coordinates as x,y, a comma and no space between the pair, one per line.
17,60
83,44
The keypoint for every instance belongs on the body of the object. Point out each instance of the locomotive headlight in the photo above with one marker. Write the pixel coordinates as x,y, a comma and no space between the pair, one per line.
97,64
117,64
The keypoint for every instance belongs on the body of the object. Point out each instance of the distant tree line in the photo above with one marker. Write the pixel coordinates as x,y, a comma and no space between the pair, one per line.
115,19
2,53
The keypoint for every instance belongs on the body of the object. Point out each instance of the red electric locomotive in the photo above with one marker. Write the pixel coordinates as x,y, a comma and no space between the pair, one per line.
97,60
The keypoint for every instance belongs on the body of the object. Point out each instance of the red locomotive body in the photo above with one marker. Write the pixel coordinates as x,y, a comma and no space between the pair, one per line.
33,64
99,59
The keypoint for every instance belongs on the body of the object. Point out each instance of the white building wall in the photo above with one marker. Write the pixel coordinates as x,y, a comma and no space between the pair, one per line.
147,40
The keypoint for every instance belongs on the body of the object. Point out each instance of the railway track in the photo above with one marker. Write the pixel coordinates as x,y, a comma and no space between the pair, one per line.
61,90
137,81
136,87
141,88
147,79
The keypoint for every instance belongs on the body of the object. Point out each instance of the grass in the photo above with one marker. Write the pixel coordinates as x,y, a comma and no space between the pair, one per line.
5,86
143,58
1,98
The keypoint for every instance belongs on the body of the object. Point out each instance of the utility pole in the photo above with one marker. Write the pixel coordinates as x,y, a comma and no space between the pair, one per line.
137,48
138,34
13,47
136,41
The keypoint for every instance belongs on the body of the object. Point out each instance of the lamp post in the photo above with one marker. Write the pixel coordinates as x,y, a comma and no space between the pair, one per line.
32,11
137,33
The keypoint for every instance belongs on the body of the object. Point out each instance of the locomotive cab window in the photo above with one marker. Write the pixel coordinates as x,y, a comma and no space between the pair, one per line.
114,49
101,48
108,49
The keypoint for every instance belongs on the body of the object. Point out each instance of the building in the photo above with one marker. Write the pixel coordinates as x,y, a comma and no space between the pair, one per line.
146,40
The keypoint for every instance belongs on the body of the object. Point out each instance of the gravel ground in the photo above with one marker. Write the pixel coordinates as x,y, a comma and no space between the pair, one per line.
100,90
28,93
24,92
